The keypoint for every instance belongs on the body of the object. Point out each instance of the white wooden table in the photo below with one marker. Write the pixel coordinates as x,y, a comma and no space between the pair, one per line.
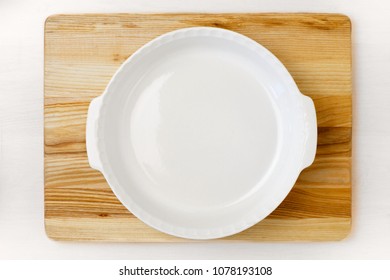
22,234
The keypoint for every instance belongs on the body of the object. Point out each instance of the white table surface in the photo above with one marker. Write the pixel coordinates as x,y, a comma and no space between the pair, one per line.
22,234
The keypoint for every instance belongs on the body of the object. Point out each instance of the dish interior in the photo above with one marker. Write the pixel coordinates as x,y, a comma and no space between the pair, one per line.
195,130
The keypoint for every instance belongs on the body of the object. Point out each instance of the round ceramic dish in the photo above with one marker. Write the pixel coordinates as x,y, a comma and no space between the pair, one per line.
201,133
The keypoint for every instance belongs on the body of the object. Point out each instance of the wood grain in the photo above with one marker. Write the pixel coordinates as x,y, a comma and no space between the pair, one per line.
82,52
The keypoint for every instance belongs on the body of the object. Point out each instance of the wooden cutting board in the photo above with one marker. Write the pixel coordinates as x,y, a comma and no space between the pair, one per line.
82,52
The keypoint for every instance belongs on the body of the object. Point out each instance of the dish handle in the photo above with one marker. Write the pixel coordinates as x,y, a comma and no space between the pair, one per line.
91,134
310,120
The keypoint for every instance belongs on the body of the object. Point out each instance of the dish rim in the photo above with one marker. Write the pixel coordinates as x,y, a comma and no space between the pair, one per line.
99,105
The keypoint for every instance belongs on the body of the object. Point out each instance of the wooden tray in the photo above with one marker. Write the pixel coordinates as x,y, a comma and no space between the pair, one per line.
82,52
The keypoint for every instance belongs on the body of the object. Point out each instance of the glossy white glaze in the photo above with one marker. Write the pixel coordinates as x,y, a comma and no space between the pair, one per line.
201,133
203,136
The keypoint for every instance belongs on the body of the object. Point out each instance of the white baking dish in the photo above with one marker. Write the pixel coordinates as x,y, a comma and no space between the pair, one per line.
201,133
